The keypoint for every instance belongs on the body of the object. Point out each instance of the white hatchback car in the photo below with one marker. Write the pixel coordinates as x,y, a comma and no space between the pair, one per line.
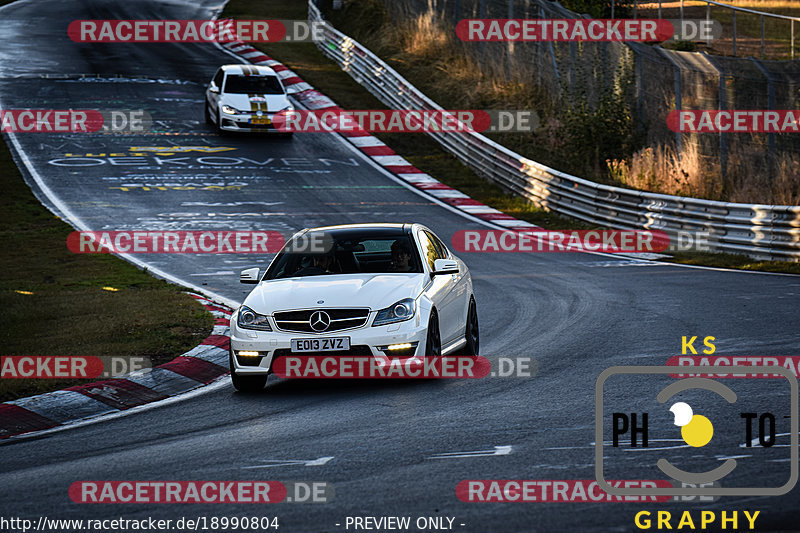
245,98
381,290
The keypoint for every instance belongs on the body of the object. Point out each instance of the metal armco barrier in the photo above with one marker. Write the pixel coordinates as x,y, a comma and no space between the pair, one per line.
765,232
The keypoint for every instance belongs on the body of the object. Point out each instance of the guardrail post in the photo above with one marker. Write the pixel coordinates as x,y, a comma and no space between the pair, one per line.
723,104
553,56
678,95
638,68
510,47
571,70
551,49
770,104
539,50
482,15
604,61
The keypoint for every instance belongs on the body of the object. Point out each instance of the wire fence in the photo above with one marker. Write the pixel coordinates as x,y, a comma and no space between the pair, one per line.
657,80
733,10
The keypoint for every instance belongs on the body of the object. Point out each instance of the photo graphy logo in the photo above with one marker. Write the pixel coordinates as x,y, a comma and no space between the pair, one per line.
682,429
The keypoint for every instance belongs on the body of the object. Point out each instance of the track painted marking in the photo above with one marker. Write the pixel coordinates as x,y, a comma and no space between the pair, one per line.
498,450
270,463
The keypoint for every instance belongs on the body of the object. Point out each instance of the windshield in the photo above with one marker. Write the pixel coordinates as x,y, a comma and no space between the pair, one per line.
373,255
235,84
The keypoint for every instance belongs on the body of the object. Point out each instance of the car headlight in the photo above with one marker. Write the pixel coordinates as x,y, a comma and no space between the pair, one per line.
249,319
228,110
397,312
288,108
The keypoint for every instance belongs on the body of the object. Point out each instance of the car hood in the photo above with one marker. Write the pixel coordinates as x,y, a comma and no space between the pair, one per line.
375,291
242,102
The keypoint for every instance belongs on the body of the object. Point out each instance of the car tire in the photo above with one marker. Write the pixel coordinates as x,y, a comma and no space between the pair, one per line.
433,341
472,332
245,383
207,114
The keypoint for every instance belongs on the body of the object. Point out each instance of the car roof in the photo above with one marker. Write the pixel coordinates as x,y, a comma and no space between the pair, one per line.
248,70
364,230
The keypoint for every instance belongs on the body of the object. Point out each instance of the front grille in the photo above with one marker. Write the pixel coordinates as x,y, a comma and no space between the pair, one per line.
354,350
340,319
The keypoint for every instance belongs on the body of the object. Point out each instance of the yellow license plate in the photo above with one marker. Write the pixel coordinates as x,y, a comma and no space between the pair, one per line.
264,121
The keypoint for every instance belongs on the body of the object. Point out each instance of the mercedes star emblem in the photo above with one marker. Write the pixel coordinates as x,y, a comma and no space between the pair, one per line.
319,321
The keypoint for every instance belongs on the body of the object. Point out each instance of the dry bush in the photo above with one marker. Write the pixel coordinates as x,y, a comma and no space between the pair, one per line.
756,181
661,170
748,178
433,58
425,36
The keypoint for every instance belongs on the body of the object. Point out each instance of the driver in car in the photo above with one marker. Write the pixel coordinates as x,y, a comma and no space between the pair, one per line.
322,264
401,257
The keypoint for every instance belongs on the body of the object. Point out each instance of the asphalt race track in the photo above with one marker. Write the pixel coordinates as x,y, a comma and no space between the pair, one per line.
576,314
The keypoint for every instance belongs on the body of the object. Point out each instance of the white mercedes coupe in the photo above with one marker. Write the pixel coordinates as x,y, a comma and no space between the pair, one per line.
381,290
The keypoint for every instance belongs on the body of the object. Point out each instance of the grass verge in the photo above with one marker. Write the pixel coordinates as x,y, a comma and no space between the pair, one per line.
69,312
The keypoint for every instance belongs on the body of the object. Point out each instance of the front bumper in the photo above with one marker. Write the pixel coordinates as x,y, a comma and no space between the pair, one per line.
243,122
364,340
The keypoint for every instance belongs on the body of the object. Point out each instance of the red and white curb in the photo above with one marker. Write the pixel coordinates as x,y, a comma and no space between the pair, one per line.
197,367
375,149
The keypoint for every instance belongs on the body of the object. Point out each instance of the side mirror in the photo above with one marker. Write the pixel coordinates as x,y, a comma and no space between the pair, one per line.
214,89
445,266
249,276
